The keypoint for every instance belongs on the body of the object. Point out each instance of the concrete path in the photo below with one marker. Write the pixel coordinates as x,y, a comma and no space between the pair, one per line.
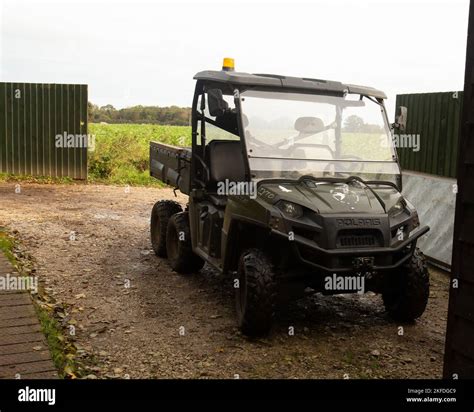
24,353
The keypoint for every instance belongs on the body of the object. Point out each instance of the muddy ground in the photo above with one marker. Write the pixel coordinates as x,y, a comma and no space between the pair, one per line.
130,310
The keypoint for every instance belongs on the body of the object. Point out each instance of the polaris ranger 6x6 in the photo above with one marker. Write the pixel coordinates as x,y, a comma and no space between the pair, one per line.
293,183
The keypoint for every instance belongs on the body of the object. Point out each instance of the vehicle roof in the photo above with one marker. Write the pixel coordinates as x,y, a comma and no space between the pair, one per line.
285,82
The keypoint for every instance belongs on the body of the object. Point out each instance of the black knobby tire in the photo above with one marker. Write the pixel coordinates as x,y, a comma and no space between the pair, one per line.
181,257
407,295
160,215
256,293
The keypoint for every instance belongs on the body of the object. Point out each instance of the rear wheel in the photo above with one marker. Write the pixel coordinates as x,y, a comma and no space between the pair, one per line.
160,215
407,294
181,257
256,293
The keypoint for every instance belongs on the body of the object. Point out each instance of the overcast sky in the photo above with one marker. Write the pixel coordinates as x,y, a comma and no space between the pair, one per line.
133,52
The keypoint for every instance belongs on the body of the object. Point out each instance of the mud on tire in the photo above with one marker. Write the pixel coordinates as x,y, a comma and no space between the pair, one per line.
407,295
160,215
256,293
181,257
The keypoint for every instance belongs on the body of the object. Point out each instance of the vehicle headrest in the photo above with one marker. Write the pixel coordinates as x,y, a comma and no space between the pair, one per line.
215,100
309,125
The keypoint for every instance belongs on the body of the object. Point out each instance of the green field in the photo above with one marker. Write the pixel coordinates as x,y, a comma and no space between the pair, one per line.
121,153
122,150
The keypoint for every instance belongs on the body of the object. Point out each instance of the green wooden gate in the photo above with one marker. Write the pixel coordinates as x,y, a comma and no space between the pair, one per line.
43,129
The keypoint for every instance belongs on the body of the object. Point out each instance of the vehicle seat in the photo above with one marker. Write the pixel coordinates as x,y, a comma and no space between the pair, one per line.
309,125
225,161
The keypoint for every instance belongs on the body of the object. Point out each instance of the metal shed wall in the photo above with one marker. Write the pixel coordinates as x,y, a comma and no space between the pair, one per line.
435,117
31,115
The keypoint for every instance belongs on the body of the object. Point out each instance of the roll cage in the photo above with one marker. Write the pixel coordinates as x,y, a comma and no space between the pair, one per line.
210,80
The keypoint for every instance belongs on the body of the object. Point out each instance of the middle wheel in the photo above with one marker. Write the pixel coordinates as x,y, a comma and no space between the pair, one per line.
179,249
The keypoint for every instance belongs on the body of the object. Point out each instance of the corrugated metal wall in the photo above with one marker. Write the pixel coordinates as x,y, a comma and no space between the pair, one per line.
435,117
31,116
459,352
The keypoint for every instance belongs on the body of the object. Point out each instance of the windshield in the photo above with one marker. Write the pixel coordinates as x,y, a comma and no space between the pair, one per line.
289,135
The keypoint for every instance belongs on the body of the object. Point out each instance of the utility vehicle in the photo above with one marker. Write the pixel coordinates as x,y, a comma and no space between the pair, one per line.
294,186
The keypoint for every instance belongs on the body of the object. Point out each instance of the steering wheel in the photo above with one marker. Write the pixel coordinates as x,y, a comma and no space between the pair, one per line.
298,147
259,142
351,169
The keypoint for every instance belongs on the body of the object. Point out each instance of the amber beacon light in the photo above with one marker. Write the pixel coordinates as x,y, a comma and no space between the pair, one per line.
228,64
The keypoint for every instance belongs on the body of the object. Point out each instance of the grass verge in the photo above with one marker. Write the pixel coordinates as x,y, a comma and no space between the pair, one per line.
6,245
62,350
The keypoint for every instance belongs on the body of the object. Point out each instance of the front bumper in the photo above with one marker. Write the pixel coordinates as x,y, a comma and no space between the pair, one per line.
354,259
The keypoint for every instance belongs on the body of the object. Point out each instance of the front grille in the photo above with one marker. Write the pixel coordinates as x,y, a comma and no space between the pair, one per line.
357,240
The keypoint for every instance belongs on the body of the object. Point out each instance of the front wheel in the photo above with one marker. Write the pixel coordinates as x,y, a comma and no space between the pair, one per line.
256,292
408,290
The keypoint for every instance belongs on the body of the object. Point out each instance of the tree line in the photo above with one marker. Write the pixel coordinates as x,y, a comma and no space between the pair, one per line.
173,115
355,124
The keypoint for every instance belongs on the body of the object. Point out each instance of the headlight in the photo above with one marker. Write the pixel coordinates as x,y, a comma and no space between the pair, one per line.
397,209
290,209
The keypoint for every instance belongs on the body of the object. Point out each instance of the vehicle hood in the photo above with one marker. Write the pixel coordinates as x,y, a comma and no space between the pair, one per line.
330,197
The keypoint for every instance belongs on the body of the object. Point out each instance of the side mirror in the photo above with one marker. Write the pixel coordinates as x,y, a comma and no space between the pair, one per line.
217,104
401,118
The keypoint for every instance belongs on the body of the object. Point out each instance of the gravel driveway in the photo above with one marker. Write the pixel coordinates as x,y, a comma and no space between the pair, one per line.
135,317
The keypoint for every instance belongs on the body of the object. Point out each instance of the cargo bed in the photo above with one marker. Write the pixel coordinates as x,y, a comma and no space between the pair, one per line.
171,165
